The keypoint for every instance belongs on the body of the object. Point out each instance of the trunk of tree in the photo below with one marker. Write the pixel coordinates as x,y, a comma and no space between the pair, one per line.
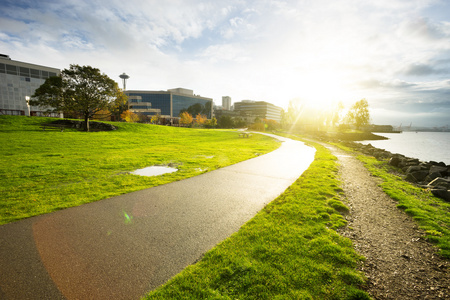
86,122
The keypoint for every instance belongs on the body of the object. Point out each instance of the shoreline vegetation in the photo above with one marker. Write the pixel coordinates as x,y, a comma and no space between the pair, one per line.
291,249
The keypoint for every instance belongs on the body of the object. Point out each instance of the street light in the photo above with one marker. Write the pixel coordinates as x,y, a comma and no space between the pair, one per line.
27,100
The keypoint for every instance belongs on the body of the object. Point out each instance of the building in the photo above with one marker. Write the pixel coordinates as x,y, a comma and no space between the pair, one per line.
169,104
18,82
260,109
226,102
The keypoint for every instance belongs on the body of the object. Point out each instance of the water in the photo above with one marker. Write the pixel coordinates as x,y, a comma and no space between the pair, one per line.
425,146
154,171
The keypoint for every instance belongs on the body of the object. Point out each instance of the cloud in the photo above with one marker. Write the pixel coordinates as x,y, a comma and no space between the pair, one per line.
392,52
424,29
424,70
392,84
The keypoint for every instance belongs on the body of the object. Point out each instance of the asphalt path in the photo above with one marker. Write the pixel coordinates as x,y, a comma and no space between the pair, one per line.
125,246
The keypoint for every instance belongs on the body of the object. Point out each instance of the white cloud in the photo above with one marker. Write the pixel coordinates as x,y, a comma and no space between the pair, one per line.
385,51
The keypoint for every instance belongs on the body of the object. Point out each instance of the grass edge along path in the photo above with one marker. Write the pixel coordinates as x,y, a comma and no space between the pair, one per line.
431,213
289,250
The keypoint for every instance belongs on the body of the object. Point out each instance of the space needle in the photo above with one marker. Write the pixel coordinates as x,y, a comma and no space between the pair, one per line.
124,79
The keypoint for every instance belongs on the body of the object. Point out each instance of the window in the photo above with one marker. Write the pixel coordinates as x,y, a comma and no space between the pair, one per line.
24,72
11,70
35,73
2,68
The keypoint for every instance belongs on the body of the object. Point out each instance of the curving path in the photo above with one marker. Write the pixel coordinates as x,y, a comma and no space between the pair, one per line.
125,246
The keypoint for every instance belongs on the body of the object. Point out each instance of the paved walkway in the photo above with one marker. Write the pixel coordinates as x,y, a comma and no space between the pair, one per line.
125,246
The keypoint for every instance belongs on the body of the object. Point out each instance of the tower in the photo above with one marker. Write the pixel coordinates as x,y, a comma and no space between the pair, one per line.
124,79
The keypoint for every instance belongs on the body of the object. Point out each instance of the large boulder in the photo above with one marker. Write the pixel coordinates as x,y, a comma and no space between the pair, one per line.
441,193
395,160
439,169
419,176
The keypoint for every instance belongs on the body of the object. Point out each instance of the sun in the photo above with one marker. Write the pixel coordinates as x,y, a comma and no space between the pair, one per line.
320,90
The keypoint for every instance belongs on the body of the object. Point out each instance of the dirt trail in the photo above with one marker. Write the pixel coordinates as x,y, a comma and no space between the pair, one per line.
399,264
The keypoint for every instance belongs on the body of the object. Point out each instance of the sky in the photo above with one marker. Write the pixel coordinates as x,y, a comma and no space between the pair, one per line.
393,53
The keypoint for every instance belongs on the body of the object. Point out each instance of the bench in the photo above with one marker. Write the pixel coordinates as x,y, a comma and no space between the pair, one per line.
53,126
245,135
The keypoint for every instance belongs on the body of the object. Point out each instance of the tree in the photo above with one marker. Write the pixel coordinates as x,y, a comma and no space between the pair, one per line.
225,122
185,118
336,117
200,119
195,109
119,104
104,115
271,124
358,114
155,119
212,123
129,116
258,126
79,89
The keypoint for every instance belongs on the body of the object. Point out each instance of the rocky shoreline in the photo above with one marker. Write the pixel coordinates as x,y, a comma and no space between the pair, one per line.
431,175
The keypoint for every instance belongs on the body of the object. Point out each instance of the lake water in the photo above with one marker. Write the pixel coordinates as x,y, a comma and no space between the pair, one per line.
425,146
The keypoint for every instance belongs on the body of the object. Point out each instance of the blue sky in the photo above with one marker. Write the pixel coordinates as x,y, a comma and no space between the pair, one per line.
394,53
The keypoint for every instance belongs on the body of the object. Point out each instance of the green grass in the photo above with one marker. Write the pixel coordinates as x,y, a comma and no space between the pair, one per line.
43,171
289,250
431,213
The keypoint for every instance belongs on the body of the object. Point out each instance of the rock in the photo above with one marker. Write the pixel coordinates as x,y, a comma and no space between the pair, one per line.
409,177
428,175
95,126
419,175
412,169
395,160
433,176
441,193
440,169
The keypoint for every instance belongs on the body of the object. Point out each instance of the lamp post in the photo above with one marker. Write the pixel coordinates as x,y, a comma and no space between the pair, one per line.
27,100
124,79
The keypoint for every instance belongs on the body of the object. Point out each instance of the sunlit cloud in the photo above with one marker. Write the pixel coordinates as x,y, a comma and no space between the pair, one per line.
391,52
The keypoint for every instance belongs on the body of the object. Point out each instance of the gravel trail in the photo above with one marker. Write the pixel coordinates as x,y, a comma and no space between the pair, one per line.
399,263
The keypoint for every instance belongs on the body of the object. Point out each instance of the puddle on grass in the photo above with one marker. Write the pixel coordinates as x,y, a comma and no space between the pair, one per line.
154,171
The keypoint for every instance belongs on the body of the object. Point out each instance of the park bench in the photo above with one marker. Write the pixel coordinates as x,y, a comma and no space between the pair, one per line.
245,135
53,126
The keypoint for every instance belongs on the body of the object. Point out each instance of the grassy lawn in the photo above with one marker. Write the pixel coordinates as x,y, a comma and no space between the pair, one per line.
43,171
289,250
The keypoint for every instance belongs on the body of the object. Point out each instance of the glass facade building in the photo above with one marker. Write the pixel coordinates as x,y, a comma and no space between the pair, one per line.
168,103
18,82
261,109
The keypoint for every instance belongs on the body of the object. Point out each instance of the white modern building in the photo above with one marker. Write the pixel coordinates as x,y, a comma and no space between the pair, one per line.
261,109
18,82
226,102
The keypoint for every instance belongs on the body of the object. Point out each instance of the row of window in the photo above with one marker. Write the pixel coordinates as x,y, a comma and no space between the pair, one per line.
162,102
26,72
